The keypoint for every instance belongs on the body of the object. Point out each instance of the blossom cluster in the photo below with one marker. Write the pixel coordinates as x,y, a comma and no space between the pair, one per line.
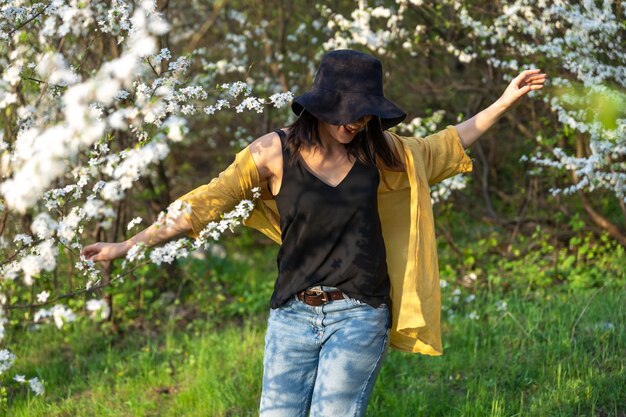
59,313
460,302
359,29
581,41
182,248
229,220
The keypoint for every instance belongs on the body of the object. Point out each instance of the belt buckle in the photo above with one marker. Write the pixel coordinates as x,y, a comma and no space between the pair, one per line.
317,293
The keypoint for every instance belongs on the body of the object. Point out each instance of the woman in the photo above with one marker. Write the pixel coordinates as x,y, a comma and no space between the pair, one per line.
349,204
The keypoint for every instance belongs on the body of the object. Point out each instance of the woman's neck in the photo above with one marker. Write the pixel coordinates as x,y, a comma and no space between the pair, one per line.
330,146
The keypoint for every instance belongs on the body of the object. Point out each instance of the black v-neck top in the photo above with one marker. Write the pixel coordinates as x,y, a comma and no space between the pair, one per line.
330,235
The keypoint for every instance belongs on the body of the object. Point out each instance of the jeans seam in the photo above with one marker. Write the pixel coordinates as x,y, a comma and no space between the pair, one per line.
380,356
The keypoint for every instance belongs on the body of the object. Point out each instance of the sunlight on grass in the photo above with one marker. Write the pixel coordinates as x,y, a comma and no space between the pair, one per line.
539,357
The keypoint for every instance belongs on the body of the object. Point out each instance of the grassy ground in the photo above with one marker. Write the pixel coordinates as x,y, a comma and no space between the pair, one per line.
553,354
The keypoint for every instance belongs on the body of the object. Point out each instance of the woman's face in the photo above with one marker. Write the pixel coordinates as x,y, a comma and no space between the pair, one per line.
343,133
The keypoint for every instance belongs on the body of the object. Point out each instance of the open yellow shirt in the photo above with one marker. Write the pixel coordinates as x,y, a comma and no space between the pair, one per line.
406,217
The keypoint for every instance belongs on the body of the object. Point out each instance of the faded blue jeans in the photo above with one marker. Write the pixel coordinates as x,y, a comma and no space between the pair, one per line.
324,358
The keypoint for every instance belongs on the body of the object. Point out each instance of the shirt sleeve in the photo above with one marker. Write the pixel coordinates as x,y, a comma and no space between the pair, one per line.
209,201
443,155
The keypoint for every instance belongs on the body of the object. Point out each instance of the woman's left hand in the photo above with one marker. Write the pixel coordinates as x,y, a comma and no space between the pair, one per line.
528,80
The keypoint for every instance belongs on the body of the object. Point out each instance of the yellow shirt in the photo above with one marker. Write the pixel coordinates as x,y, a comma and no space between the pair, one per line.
406,217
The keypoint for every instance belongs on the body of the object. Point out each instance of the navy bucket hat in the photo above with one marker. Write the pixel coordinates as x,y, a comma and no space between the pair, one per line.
348,85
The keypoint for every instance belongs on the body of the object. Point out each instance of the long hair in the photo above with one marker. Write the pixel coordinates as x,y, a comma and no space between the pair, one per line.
369,145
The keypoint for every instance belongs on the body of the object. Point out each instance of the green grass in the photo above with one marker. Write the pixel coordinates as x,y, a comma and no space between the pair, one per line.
556,354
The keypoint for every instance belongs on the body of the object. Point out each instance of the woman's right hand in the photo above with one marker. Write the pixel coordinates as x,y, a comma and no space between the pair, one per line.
102,251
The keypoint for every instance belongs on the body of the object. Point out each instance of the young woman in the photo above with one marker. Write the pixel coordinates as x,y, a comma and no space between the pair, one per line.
349,204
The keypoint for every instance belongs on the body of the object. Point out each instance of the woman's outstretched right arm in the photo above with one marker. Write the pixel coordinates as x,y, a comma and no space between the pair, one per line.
206,201
157,233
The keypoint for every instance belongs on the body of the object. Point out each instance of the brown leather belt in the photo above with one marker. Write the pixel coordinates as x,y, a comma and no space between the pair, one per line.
318,297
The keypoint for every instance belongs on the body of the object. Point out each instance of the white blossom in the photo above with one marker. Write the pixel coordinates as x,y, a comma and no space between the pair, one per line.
136,252
60,314
250,103
471,277
94,306
164,54
41,258
281,99
36,386
11,270
473,315
23,239
133,223
179,66
169,252
42,297
6,360
121,95
68,226
3,321
236,88
44,226
501,305
176,128
53,68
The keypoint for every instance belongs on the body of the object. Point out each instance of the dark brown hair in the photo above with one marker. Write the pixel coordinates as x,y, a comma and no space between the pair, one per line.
369,145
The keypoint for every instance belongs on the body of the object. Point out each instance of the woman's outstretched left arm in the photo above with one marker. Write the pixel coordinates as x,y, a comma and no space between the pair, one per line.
470,130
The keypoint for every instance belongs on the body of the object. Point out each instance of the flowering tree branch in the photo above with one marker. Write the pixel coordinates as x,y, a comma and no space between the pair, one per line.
26,22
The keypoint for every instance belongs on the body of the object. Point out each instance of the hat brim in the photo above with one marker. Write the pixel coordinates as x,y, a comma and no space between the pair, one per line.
340,108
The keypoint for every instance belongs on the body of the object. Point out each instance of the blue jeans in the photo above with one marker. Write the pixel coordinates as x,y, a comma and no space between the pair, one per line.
325,358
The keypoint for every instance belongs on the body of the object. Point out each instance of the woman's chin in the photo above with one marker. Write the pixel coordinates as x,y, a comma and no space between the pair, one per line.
346,135
340,133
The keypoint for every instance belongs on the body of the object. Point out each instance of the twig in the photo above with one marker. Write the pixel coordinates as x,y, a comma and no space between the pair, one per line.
44,82
76,292
508,313
3,222
206,26
583,312
84,57
485,181
520,217
153,69
17,252
29,20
